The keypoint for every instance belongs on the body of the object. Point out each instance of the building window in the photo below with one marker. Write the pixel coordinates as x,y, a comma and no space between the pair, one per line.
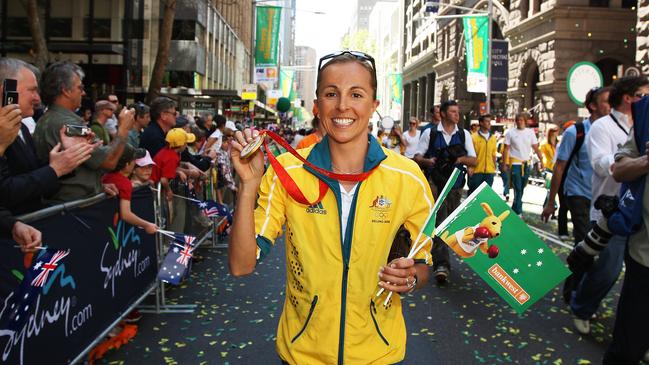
184,30
18,27
59,27
524,8
628,4
101,28
137,28
598,3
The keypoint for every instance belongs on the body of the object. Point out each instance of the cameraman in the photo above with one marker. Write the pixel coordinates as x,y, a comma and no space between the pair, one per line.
440,149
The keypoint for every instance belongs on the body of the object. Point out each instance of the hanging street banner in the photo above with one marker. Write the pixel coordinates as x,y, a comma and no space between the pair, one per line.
268,26
266,74
499,66
476,38
396,87
501,249
286,81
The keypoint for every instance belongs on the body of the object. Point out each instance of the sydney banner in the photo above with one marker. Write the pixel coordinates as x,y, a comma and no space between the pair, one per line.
94,268
267,41
476,38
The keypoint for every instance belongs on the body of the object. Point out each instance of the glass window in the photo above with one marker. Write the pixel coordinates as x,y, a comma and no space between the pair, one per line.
101,28
59,27
18,27
184,30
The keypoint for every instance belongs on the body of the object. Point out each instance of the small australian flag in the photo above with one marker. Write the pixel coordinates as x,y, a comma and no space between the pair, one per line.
177,262
212,209
17,306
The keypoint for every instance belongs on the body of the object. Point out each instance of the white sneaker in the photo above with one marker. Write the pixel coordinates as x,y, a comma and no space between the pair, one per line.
646,356
564,237
582,325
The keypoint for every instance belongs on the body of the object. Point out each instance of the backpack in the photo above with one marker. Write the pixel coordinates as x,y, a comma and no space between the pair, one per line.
628,219
440,173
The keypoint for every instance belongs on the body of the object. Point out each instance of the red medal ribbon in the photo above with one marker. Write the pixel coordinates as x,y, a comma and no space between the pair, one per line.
288,182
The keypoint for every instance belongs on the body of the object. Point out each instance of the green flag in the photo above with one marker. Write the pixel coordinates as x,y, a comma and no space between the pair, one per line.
476,38
396,87
266,45
502,249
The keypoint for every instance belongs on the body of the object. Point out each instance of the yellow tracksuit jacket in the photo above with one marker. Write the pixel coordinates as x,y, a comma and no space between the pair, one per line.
330,314
485,151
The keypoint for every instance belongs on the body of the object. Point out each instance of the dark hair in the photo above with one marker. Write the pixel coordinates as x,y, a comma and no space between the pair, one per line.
220,120
141,109
483,116
57,78
593,94
315,122
446,105
627,85
347,58
432,109
160,104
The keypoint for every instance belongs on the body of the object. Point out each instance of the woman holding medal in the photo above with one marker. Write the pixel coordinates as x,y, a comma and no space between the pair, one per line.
341,202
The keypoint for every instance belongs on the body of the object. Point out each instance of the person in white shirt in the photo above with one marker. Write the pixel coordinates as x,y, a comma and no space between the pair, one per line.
449,147
411,138
606,135
519,143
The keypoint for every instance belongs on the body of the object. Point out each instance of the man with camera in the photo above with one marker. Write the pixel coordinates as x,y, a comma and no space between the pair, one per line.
62,91
441,149
24,178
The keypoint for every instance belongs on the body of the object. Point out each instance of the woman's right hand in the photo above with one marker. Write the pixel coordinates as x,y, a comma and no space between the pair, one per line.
251,169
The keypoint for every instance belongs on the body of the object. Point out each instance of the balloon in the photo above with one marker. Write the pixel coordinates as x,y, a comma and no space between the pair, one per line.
283,105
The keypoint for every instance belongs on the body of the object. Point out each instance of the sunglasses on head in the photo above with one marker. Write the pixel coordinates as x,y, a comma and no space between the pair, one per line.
362,56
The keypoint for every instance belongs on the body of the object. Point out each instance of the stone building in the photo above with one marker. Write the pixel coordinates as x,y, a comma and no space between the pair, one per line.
115,42
545,38
642,28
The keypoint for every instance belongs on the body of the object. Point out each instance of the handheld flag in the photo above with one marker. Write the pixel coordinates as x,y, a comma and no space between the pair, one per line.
177,262
502,249
212,209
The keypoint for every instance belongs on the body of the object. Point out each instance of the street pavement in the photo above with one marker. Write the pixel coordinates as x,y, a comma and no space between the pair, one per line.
463,322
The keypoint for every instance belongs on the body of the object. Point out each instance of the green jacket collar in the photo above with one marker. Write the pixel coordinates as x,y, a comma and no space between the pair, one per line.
320,156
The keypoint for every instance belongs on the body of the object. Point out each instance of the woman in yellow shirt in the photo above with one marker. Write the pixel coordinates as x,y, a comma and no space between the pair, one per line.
548,150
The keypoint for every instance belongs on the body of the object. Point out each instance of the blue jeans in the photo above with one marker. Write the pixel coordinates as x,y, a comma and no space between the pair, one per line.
519,176
476,179
505,177
597,282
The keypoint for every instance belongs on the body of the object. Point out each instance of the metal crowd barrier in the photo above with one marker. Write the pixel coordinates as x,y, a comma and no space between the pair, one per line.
158,287
161,305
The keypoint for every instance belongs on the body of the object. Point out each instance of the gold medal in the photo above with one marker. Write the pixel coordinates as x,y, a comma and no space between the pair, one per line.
252,147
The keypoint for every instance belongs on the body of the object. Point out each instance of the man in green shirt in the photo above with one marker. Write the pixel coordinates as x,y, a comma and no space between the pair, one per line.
104,110
62,90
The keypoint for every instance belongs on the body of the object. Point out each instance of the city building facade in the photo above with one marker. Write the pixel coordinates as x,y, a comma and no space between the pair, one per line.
385,24
306,62
116,42
545,39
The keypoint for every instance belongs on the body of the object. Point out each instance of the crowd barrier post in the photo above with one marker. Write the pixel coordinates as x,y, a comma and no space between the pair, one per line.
161,305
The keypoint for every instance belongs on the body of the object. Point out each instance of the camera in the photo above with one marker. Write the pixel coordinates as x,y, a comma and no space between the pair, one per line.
73,130
9,93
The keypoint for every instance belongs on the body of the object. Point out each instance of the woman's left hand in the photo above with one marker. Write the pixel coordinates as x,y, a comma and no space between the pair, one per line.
398,276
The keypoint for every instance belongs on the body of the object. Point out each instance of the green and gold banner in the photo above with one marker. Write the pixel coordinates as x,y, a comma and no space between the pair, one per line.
268,27
476,37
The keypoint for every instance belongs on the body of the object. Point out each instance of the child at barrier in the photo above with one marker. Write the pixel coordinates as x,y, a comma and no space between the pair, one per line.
119,177
142,171
167,160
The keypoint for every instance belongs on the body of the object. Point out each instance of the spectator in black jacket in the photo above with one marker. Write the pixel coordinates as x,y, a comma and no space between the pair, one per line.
26,236
24,179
